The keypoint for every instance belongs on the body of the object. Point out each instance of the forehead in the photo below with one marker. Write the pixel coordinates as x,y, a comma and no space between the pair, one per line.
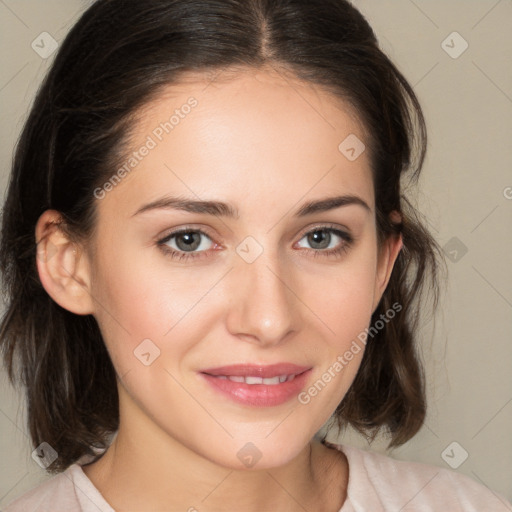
260,131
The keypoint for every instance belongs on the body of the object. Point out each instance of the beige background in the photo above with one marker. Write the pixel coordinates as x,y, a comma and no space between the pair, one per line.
466,194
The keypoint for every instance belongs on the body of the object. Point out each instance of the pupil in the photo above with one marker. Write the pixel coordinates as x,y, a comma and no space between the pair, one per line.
317,237
191,243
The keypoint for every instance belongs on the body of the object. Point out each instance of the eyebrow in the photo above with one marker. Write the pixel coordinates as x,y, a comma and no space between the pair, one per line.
221,209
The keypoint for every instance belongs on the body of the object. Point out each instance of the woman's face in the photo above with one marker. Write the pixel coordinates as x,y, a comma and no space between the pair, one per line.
262,286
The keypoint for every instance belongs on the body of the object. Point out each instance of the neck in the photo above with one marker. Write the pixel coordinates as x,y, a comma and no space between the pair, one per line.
146,469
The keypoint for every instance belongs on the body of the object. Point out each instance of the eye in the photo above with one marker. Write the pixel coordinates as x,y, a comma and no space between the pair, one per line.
327,240
186,243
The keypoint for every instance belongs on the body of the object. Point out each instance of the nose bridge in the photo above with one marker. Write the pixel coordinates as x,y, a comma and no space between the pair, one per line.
264,307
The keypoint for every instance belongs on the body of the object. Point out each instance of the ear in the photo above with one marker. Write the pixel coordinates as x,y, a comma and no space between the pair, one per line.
62,265
388,253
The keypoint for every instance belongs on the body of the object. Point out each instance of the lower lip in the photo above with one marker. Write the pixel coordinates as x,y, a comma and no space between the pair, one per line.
259,395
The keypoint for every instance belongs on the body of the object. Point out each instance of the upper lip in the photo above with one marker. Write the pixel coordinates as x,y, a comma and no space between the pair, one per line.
257,370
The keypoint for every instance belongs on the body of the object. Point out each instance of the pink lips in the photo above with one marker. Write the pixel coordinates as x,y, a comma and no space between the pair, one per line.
258,385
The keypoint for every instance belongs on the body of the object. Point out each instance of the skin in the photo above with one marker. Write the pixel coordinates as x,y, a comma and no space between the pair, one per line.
266,144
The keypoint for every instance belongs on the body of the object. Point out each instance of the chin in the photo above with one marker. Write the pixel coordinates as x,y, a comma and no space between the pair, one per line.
253,453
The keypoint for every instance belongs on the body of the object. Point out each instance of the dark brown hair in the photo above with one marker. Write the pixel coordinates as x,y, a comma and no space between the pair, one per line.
114,61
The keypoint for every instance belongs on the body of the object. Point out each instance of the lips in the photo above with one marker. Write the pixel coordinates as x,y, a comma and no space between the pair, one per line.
258,385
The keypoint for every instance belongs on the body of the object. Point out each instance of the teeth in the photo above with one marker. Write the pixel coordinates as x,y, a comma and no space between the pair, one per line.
253,380
269,381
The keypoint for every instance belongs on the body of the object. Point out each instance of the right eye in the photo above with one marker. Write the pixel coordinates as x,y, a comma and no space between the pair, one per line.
185,243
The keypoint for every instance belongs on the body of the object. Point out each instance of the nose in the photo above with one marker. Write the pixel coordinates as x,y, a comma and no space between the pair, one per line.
264,307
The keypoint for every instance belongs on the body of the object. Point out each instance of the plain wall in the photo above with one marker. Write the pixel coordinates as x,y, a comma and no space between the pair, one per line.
465,193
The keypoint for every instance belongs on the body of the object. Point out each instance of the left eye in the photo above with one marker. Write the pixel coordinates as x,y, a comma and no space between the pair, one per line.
325,238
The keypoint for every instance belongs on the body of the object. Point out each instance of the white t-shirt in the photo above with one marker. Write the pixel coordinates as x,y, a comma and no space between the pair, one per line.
376,483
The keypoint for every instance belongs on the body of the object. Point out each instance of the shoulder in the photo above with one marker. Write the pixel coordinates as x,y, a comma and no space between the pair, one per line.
70,491
383,483
47,495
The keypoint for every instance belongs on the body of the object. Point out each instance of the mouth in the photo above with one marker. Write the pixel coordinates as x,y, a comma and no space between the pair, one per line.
258,385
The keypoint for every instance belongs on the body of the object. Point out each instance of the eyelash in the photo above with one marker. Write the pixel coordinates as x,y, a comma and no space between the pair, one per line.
184,256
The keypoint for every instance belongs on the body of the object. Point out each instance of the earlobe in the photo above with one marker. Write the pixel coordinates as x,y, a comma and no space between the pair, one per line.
63,268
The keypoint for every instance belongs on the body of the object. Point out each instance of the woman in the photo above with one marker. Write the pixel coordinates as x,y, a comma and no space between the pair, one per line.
208,257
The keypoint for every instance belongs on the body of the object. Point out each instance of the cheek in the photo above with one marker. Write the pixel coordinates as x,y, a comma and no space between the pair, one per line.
149,307
346,298
345,309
